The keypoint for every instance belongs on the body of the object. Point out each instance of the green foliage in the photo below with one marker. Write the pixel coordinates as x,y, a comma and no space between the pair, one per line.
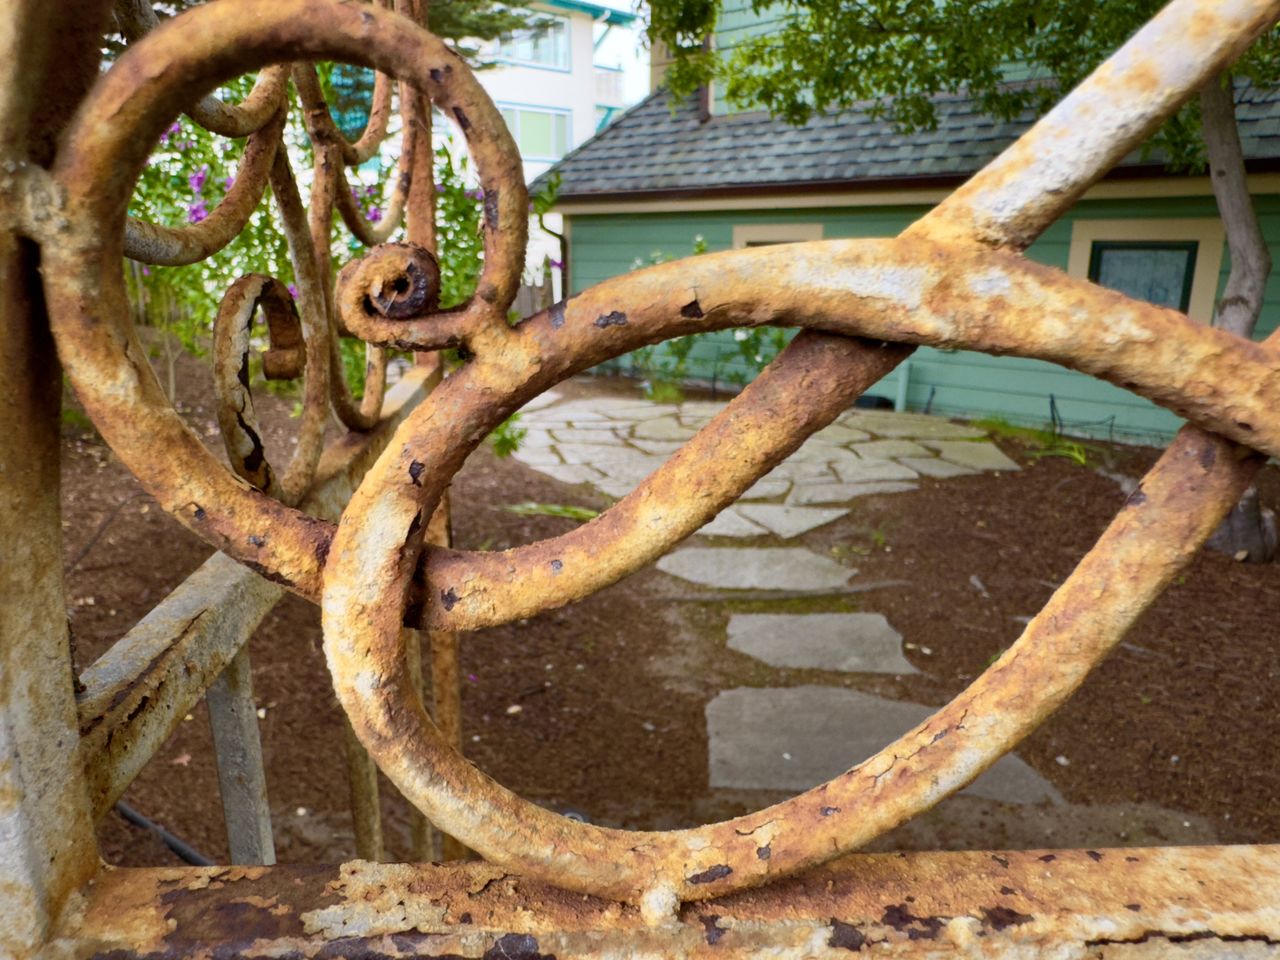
553,510
827,55
458,228
508,436
1041,442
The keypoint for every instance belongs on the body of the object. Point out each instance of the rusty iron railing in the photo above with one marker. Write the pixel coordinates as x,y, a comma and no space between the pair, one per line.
72,144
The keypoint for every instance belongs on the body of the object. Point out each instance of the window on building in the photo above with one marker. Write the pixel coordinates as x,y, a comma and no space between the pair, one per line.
547,46
540,134
1159,273
1173,262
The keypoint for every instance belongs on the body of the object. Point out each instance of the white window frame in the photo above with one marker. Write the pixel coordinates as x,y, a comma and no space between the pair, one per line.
567,23
1206,231
531,108
745,234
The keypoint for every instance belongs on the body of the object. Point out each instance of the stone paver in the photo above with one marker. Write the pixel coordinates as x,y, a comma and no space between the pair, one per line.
663,428
849,642
571,473
865,471
889,449
797,737
540,401
621,440
980,456
806,493
765,568
787,521
731,523
936,467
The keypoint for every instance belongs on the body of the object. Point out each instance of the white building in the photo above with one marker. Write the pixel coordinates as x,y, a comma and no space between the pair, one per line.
556,87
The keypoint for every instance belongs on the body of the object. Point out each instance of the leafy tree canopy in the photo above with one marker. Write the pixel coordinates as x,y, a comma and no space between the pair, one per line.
1010,56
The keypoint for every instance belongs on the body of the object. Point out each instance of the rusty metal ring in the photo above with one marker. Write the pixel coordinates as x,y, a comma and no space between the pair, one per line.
285,359
106,148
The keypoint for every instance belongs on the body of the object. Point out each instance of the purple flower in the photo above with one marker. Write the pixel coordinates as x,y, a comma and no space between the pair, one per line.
228,183
369,191
197,212
175,127
475,194
439,187
146,271
374,215
355,194
293,291
197,179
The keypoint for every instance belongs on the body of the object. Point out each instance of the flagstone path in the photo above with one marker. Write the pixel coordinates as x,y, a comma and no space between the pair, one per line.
788,738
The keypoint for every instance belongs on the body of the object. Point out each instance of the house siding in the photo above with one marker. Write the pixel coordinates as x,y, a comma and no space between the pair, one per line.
960,383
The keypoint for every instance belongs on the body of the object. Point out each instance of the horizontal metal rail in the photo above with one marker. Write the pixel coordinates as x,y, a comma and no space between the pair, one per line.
1115,903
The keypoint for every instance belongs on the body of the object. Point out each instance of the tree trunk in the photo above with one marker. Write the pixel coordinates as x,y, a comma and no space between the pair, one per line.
1249,532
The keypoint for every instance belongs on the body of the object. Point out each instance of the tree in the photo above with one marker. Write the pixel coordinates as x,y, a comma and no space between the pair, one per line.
1011,57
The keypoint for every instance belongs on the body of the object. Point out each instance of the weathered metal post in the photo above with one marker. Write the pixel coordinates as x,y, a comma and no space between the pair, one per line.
47,845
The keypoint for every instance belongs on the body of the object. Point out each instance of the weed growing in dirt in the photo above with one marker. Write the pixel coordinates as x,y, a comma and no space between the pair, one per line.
553,510
1042,443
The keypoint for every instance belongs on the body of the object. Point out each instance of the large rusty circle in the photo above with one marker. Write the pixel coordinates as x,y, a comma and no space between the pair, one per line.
370,574
104,153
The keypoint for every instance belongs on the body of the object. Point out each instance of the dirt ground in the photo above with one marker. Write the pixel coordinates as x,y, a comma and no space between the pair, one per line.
1171,740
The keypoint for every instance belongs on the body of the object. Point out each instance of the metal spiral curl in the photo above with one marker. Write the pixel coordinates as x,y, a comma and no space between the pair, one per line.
956,278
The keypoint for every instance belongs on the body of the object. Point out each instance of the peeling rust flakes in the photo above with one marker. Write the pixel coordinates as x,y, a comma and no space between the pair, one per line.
516,946
615,318
712,874
557,566
829,811
1137,498
765,852
491,208
846,936
415,472
1001,917
711,928
448,598
1000,860
1094,855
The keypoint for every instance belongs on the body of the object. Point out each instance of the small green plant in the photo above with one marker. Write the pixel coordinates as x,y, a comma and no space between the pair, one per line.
530,509
1044,443
878,538
508,436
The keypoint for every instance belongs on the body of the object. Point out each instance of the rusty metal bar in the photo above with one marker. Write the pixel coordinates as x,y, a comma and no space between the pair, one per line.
366,807
139,690
1120,904
47,846
237,747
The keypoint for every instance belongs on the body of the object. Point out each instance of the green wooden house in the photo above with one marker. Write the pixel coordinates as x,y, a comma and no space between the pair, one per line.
658,177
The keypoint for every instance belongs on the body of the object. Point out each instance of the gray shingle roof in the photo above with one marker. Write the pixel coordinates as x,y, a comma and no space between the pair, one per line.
651,149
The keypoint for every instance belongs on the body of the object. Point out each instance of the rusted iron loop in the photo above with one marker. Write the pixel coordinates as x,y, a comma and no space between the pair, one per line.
359,415
136,18
393,283
320,123
285,359
180,246
105,151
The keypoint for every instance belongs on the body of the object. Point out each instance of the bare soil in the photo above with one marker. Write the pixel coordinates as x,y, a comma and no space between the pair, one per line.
1171,740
